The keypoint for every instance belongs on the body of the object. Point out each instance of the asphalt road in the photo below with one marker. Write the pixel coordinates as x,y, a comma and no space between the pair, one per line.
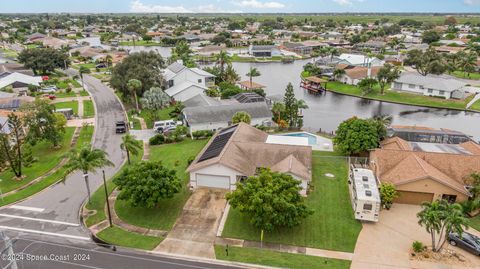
55,211
30,253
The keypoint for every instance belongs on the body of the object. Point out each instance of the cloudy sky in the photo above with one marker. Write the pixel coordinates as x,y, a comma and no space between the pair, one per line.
261,6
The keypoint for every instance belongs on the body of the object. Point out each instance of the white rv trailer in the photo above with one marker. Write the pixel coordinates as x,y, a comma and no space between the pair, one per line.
364,194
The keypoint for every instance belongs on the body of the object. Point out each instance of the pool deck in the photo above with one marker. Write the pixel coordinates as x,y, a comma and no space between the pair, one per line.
323,143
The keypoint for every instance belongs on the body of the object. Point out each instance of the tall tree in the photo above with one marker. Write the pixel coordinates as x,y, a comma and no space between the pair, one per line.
278,111
43,123
386,75
81,71
467,62
11,144
135,85
241,116
182,51
222,60
43,60
428,62
155,99
355,136
367,85
290,102
145,184
440,218
130,145
270,200
86,160
338,73
430,37
253,72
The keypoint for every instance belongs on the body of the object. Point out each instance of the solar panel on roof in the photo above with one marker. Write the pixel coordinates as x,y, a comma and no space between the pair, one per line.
218,143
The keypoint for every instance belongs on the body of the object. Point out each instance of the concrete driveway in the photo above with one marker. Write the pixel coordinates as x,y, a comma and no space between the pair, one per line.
195,230
387,244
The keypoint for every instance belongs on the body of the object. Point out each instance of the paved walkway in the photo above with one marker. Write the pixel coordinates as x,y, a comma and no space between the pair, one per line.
143,124
80,122
475,99
194,233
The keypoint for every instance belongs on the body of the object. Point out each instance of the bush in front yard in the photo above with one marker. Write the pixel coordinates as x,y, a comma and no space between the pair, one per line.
158,139
417,246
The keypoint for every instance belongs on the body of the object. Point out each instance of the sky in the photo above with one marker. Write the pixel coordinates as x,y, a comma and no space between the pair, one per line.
239,6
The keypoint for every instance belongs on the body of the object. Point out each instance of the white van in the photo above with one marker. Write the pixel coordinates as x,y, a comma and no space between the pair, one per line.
160,126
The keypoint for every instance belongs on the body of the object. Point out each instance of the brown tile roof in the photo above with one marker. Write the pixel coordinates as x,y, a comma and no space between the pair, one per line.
471,147
360,72
246,150
395,143
414,127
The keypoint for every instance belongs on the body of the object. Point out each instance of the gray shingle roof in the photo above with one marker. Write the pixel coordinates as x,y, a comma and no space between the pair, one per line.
432,82
176,67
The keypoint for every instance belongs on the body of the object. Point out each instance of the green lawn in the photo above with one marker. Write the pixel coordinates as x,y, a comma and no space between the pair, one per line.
75,83
64,94
88,109
140,43
70,104
47,158
332,225
85,136
473,76
397,97
158,115
475,222
278,259
84,93
120,237
87,65
97,201
476,106
164,215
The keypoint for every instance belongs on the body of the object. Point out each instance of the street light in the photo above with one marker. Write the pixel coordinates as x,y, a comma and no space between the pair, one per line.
106,198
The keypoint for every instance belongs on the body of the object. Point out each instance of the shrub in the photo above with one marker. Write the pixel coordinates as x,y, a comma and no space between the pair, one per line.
158,139
417,246
202,134
68,89
190,160
387,194
180,130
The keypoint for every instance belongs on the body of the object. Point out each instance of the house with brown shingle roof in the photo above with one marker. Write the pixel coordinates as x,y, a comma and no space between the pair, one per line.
354,74
237,152
426,171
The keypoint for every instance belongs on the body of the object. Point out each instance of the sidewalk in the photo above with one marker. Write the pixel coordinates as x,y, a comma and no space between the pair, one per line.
475,99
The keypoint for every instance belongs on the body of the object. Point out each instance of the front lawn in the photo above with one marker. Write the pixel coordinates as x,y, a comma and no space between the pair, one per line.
475,222
475,106
70,104
162,217
473,76
47,158
332,225
278,259
397,97
120,237
88,109
85,136
64,94
163,114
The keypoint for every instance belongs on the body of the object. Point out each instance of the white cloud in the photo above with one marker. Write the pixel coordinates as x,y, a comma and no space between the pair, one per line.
214,9
350,2
258,4
139,7
472,2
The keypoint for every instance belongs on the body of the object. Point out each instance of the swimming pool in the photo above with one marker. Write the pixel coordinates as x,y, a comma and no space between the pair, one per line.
312,139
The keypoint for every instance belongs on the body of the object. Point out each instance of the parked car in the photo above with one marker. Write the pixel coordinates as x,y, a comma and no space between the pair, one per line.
100,66
120,127
50,96
160,126
169,130
49,89
467,241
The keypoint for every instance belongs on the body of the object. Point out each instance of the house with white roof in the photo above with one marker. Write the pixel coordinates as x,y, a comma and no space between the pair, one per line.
432,85
359,60
18,80
183,83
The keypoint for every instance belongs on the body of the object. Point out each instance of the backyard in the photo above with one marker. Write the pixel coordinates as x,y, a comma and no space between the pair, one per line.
70,104
332,225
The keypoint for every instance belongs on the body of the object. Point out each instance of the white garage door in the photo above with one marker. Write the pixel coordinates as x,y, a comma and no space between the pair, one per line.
213,181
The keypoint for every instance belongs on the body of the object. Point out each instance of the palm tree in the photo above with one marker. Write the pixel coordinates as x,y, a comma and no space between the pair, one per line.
134,85
300,104
130,145
333,52
338,73
278,109
108,60
230,74
253,73
241,116
222,59
467,62
81,71
385,119
86,160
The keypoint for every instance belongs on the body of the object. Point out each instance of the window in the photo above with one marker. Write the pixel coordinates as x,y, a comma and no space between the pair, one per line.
450,198
430,91
368,193
441,92
411,86
364,178
170,83
200,80
421,87
397,85
241,179
367,206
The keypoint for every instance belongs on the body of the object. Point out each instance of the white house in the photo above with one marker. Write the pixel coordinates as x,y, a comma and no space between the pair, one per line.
216,117
184,83
432,85
18,80
354,74
239,151
359,60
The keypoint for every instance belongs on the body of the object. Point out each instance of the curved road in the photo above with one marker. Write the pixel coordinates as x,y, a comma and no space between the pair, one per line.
56,209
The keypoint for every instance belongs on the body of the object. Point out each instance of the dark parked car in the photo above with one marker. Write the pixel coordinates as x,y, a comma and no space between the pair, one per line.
120,127
468,241
100,66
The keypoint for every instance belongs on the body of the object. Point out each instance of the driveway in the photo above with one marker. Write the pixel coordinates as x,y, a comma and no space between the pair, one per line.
195,230
387,244
144,135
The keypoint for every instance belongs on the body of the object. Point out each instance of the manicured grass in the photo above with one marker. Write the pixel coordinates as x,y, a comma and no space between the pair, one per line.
164,215
47,158
120,237
70,104
85,136
140,43
332,225
87,65
397,97
97,201
278,259
473,76
88,109
476,106
475,222
75,83
84,93
158,115
65,94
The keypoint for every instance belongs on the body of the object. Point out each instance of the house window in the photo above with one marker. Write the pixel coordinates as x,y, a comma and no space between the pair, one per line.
200,80
421,87
397,85
411,86
450,198
441,92
430,91
170,83
367,206
241,179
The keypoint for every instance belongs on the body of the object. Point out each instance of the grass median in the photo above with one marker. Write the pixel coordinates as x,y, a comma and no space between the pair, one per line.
117,236
88,109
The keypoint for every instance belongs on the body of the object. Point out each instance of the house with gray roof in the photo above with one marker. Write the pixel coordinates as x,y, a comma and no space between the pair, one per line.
220,116
432,85
184,83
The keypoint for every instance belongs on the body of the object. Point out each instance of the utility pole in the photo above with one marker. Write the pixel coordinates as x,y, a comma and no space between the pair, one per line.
11,257
106,198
